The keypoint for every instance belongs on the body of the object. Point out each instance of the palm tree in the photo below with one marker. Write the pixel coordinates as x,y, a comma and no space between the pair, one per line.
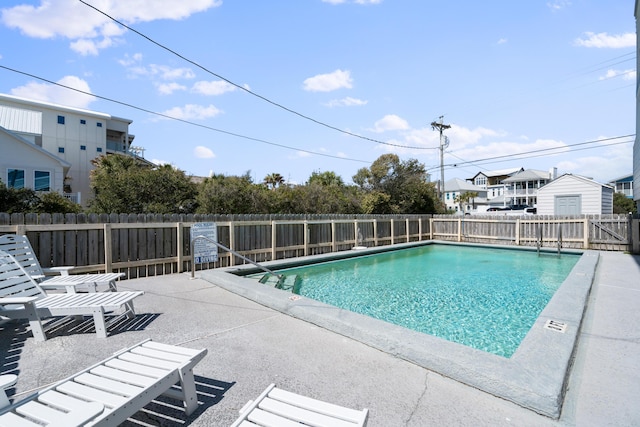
273,180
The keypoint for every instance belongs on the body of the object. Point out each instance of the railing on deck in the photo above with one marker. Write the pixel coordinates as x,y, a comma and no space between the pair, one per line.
148,245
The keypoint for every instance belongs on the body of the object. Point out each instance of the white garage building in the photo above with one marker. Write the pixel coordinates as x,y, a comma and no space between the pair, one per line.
575,195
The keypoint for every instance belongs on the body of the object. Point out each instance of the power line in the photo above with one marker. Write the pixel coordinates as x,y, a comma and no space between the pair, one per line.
237,135
525,155
241,87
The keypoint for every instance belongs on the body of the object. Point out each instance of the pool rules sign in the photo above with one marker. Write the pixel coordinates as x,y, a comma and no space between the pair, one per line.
203,236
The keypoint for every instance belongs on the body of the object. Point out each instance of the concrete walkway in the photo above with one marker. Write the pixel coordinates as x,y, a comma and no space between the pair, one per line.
251,346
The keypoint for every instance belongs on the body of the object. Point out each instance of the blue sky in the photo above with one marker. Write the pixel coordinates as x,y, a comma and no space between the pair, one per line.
294,87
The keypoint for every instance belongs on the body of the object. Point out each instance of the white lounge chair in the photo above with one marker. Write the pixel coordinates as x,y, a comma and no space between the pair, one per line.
277,407
20,248
22,298
115,388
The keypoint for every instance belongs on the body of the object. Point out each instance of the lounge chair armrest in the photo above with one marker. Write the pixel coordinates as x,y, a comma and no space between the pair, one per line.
54,271
17,300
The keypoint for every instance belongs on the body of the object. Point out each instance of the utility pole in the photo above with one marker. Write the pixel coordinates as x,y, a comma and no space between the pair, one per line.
444,143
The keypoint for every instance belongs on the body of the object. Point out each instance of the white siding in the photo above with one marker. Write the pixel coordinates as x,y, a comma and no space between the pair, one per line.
27,157
595,198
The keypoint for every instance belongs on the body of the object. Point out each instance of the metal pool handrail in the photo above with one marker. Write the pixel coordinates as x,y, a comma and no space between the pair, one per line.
220,245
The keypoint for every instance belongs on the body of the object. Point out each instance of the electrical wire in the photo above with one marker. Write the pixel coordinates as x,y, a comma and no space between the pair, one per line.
241,87
237,135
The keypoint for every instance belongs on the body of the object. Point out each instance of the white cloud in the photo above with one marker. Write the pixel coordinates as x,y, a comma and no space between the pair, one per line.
502,41
203,152
334,1
558,4
329,82
129,61
604,40
56,94
390,122
212,88
80,23
192,112
169,88
346,102
626,74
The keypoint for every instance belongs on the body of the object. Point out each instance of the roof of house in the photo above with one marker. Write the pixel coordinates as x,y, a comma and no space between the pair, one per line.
501,172
583,179
19,140
624,178
457,184
527,175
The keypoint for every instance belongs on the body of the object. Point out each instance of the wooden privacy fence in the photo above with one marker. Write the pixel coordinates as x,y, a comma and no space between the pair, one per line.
148,245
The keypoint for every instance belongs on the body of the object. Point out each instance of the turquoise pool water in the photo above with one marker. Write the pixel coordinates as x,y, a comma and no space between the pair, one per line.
485,298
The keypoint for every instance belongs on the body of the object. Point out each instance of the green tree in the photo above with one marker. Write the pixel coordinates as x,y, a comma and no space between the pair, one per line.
17,200
622,204
56,203
326,179
465,199
232,195
273,180
122,184
394,186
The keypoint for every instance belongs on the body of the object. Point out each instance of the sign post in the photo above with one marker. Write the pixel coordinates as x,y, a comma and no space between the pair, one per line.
204,236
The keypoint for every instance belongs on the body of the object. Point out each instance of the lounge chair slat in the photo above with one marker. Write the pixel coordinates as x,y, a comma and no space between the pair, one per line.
126,366
106,384
109,400
267,419
161,355
39,412
12,420
123,377
60,400
305,416
171,348
315,405
148,361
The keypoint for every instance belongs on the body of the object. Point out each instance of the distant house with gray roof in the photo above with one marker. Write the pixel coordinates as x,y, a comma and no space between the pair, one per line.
454,188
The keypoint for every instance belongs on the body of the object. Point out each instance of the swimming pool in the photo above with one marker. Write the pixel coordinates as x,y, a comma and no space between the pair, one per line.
485,298
534,376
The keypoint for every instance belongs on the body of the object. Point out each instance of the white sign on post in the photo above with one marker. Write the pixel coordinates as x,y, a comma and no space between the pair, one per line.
204,250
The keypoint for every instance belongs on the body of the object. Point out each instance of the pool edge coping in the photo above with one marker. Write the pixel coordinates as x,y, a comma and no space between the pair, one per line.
535,377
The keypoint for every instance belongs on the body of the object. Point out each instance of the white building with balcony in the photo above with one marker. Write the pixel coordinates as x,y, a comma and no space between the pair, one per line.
75,136
522,188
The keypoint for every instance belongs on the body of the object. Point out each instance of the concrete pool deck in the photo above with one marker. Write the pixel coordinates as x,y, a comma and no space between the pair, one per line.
251,346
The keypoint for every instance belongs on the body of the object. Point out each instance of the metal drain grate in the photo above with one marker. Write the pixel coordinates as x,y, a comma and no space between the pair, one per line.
554,325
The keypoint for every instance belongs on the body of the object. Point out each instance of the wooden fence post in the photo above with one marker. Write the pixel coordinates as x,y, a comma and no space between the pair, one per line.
586,232
107,248
274,241
517,232
306,238
179,248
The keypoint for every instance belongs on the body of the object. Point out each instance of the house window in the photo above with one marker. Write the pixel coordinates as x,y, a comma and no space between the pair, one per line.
60,149
16,178
99,149
83,122
42,181
83,148
60,120
99,124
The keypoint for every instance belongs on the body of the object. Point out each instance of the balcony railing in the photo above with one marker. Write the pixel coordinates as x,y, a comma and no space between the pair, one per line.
74,197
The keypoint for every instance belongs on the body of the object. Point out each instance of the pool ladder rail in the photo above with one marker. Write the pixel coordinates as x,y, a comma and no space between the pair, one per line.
539,239
281,281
